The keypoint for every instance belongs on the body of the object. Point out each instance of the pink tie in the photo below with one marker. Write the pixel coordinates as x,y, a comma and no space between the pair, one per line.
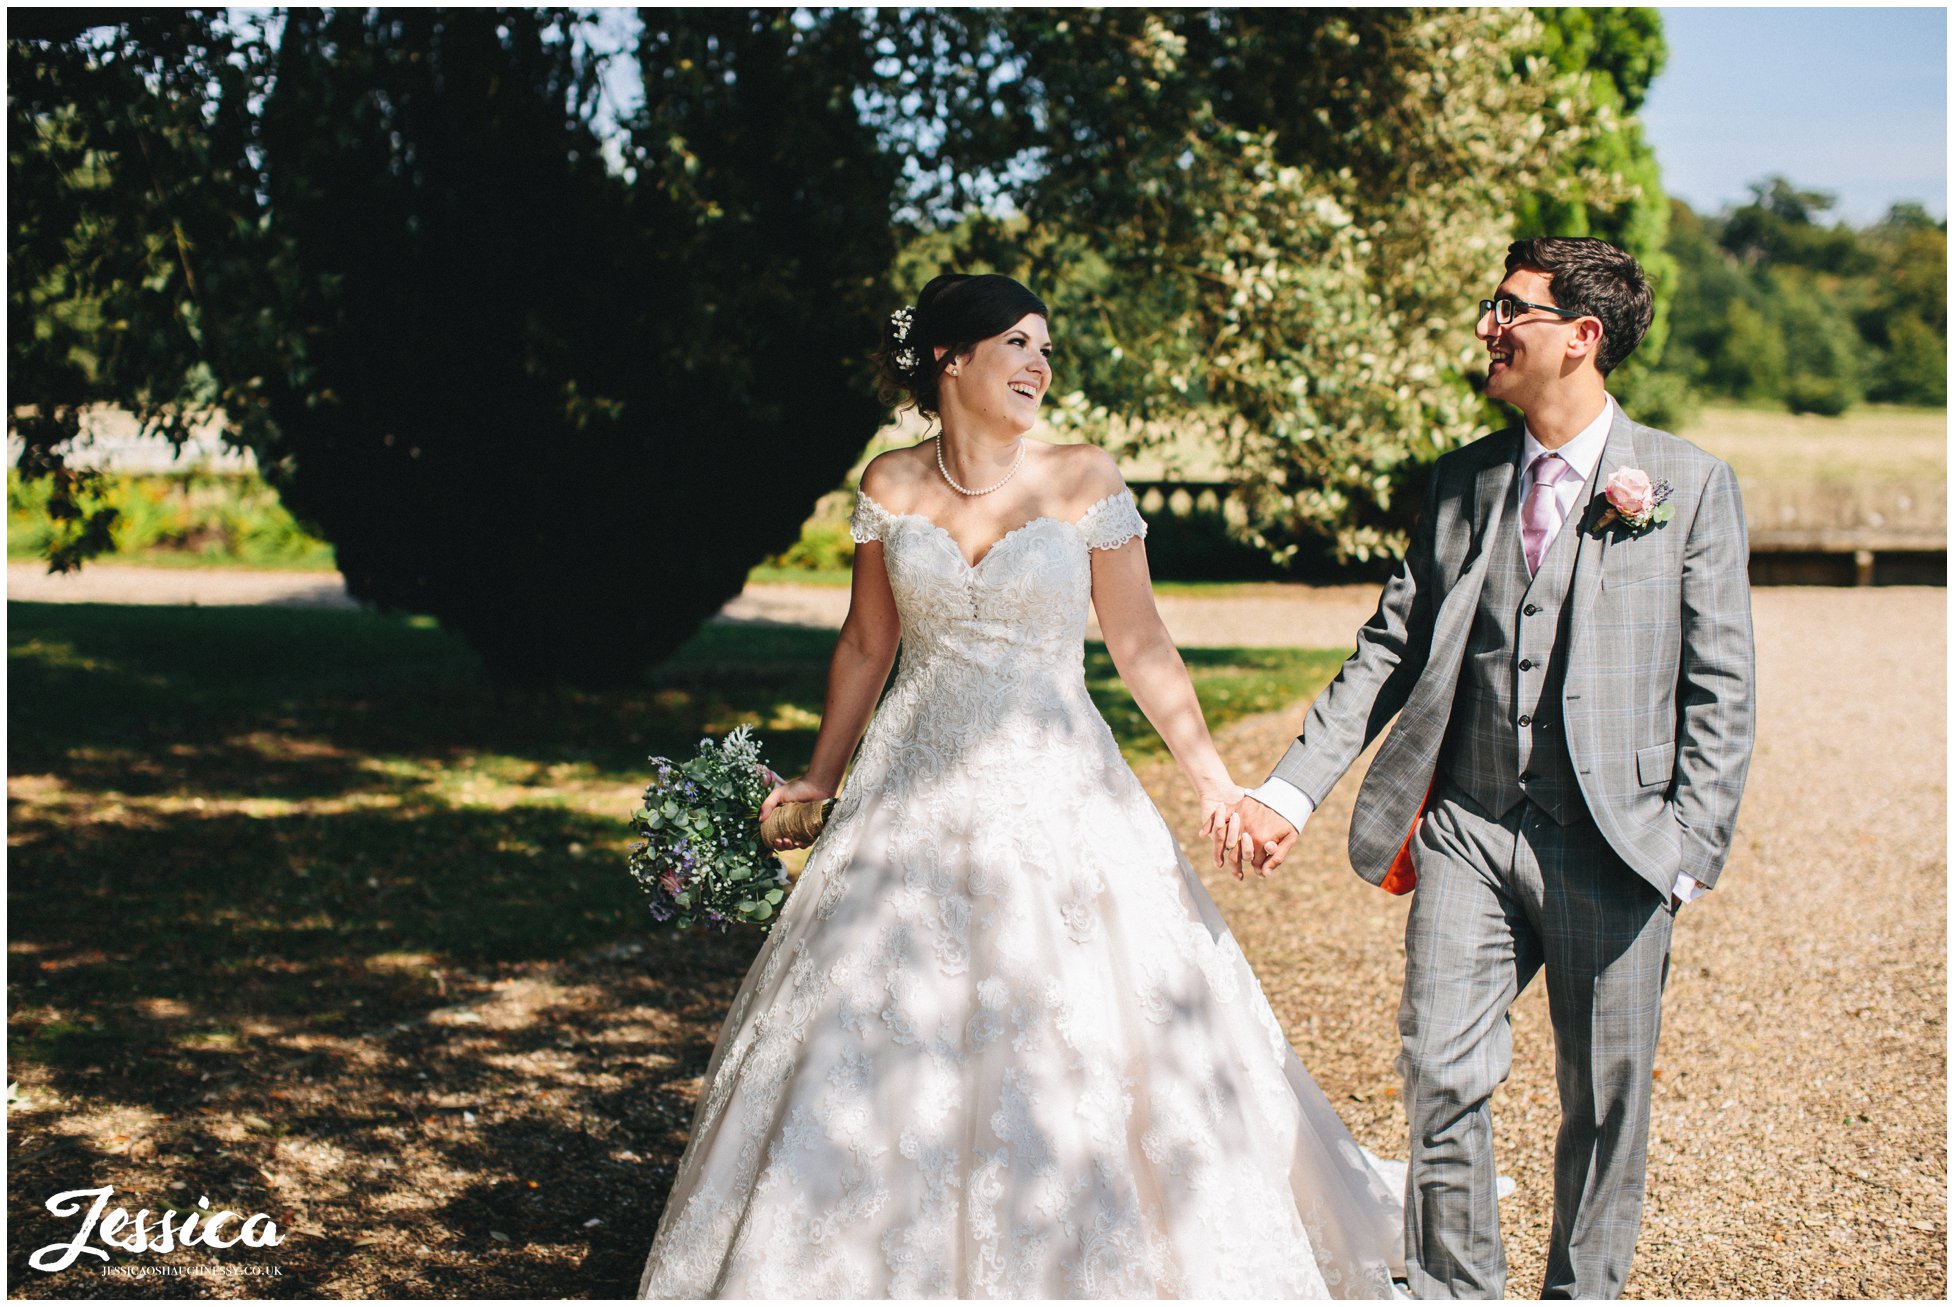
1540,516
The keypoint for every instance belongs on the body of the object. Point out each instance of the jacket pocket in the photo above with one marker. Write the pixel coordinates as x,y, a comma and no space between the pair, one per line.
1655,765
1627,565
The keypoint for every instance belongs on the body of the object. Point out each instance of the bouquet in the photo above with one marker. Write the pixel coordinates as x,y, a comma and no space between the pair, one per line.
700,857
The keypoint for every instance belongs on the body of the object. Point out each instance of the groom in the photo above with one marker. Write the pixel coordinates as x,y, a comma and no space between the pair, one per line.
1567,650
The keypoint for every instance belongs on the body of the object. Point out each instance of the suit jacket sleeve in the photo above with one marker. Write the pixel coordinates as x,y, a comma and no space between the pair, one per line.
1716,690
1374,681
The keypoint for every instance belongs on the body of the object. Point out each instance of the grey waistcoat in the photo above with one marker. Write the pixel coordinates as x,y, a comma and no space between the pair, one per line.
1506,741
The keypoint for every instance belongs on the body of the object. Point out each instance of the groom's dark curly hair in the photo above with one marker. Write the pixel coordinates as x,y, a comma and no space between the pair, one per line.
1592,276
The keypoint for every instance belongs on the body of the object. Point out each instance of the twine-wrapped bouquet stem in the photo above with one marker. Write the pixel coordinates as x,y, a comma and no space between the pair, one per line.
798,823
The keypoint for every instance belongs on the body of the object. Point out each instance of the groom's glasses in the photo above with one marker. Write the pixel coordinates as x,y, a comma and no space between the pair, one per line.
1506,309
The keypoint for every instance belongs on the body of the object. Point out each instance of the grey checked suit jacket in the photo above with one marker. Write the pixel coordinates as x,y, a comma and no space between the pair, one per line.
1658,696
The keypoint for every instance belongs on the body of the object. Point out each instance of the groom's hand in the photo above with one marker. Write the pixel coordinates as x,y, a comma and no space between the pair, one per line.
1264,840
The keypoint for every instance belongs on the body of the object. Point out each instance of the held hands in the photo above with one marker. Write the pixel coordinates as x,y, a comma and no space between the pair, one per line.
1219,800
798,790
1254,832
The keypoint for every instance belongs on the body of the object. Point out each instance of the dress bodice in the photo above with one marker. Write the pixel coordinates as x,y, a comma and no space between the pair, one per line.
1021,605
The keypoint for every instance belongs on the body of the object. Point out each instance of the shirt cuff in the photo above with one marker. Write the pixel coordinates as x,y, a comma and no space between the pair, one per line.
1687,889
1285,800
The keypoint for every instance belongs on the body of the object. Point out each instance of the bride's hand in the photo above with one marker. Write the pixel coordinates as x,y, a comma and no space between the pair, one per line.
798,790
1219,803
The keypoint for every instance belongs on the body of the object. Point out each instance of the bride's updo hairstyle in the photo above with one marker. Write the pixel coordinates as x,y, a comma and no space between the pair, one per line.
955,310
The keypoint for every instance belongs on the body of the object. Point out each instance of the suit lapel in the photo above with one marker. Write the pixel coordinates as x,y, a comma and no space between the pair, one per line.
1618,453
1494,489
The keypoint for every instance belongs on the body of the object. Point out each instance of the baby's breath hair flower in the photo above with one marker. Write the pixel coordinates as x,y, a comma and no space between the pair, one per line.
899,323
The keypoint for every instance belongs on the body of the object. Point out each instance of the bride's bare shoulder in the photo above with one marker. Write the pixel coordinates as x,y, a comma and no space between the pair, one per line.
890,478
1088,474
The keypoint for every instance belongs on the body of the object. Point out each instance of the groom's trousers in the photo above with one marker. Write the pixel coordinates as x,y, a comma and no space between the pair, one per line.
1498,900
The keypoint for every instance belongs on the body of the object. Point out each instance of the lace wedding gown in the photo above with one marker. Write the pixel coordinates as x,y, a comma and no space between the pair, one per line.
1000,1043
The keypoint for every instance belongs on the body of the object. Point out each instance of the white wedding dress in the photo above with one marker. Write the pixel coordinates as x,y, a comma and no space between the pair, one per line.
1000,1043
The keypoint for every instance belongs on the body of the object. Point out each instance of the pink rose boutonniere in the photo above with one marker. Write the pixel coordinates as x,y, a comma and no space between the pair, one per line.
1635,500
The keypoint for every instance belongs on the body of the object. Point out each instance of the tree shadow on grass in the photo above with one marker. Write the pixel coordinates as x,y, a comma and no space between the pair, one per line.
308,919
411,1030
244,693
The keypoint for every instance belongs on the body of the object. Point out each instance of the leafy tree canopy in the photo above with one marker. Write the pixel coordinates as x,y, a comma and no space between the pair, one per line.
1620,51
1270,226
134,205
1780,306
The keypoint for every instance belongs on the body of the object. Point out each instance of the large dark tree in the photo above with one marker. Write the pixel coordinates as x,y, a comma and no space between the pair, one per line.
560,405
564,413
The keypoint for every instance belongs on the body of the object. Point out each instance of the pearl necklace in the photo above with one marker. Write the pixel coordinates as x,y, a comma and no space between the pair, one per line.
944,468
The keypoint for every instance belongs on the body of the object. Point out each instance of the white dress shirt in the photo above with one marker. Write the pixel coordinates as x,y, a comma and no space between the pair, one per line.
1582,454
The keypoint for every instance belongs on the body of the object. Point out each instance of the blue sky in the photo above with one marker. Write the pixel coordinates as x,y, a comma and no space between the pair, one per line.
1851,101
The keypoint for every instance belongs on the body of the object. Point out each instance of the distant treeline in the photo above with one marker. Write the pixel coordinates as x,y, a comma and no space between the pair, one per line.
1774,304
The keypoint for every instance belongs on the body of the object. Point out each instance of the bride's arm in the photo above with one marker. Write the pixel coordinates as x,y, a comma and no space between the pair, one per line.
1151,667
864,652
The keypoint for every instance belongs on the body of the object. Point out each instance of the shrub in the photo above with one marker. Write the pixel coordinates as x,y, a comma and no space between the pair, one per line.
1825,396
219,518
1750,362
1914,369
1660,398
824,546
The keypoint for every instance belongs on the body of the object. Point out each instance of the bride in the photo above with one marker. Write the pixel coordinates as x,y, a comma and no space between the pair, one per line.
1000,1042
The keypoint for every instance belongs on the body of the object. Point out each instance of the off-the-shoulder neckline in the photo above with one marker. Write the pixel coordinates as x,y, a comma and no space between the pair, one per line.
1077,524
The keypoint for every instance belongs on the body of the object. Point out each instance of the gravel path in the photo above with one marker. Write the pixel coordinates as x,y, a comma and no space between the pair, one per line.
1800,1123
119,583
